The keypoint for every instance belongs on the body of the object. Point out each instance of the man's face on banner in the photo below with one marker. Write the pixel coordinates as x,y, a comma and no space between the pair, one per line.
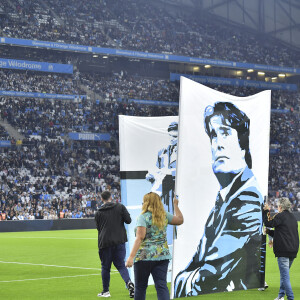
174,136
227,155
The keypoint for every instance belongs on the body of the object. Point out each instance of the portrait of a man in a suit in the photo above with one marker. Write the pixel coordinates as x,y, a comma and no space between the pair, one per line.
228,256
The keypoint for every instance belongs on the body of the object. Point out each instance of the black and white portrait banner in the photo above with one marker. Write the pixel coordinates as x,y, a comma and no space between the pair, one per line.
148,154
221,181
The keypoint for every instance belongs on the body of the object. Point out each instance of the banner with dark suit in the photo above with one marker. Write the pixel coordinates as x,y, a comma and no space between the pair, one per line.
148,154
221,181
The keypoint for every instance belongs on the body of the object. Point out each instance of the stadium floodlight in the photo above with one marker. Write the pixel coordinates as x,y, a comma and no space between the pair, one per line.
250,70
95,55
261,73
274,78
207,66
239,73
281,75
196,68
104,56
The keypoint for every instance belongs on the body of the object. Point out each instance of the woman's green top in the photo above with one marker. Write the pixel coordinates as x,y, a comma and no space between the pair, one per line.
155,245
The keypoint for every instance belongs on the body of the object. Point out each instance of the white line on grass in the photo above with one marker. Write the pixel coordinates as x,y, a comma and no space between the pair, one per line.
48,278
57,266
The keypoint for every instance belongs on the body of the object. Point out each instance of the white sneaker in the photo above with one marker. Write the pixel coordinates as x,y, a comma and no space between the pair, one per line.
282,298
104,294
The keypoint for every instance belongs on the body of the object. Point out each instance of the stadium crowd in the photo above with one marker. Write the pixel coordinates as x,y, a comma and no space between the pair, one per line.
62,178
36,83
52,119
47,175
139,25
50,176
47,179
131,87
4,135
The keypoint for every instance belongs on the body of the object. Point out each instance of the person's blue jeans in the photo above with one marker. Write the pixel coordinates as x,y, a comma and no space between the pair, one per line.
284,264
158,269
116,255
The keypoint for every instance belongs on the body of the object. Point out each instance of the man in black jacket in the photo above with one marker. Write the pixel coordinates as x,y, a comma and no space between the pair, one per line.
285,243
110,219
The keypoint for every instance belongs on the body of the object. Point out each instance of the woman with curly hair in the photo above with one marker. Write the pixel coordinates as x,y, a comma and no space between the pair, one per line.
150,253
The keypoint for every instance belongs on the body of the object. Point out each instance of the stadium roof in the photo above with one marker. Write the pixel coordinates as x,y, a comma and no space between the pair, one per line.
278,18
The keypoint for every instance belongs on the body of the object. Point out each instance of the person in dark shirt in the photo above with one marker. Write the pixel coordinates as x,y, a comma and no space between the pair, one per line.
110,219
285,242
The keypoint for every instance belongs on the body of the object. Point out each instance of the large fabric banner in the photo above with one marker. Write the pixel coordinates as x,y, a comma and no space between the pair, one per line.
222,180
148,154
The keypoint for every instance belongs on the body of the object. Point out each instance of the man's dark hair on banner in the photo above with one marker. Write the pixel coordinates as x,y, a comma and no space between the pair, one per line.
236,119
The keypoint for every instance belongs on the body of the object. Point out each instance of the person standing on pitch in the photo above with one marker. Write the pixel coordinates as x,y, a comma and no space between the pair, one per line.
150,252
285,242
110,219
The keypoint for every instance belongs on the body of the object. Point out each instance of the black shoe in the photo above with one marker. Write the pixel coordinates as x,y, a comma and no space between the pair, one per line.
266,286
130,287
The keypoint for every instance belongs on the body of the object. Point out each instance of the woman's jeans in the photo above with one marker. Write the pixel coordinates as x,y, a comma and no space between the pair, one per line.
158,269
284,264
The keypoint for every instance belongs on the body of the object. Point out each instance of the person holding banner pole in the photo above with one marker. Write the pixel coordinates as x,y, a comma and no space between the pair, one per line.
150,253
285,244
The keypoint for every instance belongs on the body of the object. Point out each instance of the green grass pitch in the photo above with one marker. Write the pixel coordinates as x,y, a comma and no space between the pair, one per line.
65,265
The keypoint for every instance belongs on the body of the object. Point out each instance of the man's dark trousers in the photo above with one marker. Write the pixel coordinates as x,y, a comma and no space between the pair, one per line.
116,255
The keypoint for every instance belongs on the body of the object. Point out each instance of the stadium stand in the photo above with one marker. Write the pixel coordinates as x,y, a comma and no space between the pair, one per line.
4,135
47,175
94,165
129,87
45,83
139,25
